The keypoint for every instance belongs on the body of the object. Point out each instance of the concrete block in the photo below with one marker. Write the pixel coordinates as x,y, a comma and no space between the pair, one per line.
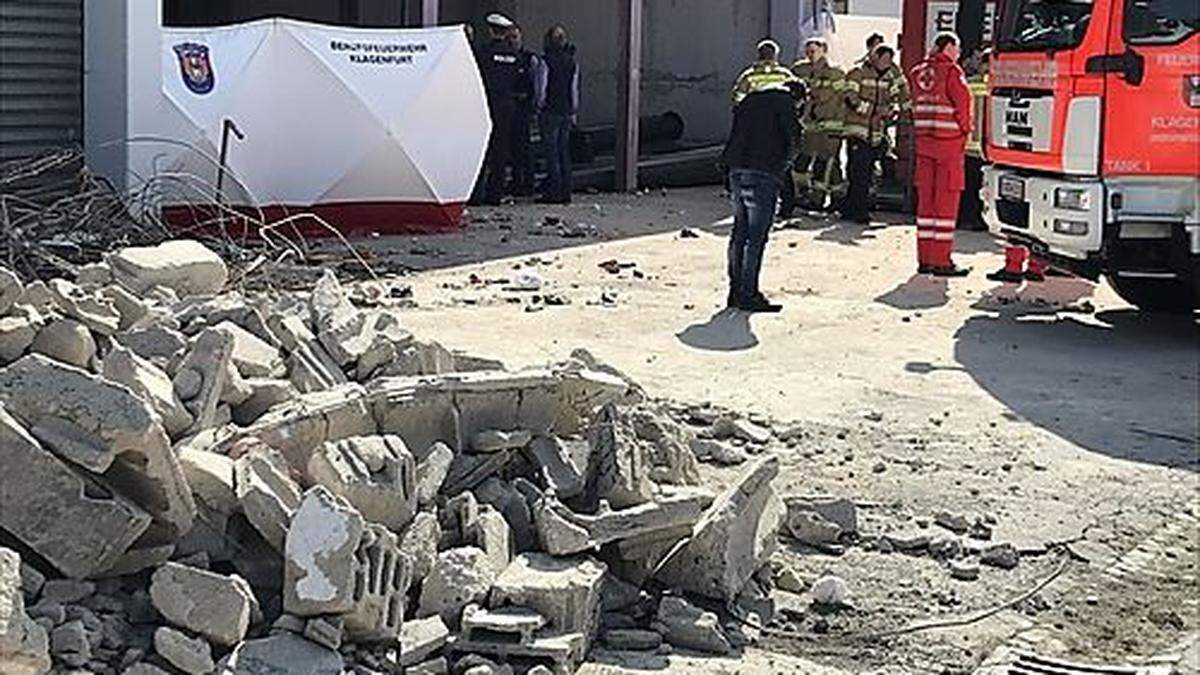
422,638
460,577
565,651
469,470
556,466
191,655
319,575
382,574
684,625
16,336
71,520
490,532
839,511
156,343
511,504
326,631
420,543
86,307
432,471
495,440
267,494
734,539
281,653
66,340
123,366
11,289
507,624
564,590
211,477
376,474
253,356
182,265
617,470
561,531
216,606
265,393
24,645
208,358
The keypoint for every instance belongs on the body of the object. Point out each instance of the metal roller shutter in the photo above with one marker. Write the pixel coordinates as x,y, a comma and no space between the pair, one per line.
41,76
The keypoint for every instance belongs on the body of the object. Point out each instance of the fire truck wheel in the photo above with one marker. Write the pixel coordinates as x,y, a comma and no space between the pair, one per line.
1156,295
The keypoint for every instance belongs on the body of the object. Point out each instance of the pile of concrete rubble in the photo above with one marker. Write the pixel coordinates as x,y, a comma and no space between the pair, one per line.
202,480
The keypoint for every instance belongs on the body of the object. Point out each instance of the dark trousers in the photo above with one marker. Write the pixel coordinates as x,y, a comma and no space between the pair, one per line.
556,144
522,151
754,194
863,156
495,163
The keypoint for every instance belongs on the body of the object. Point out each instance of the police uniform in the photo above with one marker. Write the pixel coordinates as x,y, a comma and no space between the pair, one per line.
942,122
818,173
499,65
872,101
522,149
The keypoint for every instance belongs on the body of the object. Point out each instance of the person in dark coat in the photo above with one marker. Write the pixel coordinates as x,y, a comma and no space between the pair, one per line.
761,147
523,109
499,66
557,100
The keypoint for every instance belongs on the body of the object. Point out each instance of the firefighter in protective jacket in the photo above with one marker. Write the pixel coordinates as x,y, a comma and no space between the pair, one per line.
942,122
876,96
764,74
818,173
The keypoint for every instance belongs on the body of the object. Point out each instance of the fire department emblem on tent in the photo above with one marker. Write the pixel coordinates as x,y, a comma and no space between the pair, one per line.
195,67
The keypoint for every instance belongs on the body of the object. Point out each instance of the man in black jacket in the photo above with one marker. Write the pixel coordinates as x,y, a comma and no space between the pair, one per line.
556,87
761,145
499,66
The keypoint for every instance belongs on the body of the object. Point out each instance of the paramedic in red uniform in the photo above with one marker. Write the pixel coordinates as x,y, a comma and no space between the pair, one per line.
942,122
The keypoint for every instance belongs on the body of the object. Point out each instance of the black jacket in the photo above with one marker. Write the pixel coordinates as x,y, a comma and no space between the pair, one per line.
499,64
765,133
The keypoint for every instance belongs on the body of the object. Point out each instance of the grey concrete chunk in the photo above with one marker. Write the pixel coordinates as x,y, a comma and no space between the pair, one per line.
460,577
216,606
556,466
382,574
265,393
209,357
11,289
733,540
632,639
684,625
156,343
93,311
211,477
123,366
421,639
69,519
432,471
253,356
517,624
495,440
617,468
512,504
281,654
191,655
184,266
267,494
319,561
563,532
838,511
420,543
564,590
24,645
376,474
16,336
326,631
66,340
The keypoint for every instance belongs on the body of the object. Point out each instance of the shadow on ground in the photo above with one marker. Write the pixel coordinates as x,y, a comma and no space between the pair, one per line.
921,291
1122,383
726,331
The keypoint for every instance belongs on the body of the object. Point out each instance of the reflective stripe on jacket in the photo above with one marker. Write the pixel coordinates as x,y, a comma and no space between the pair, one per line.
823,114
761,76
941,99
872,100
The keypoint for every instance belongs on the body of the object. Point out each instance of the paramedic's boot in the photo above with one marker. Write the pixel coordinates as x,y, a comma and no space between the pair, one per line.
1013,271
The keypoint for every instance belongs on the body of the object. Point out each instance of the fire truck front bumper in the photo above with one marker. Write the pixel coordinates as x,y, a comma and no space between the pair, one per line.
1056,217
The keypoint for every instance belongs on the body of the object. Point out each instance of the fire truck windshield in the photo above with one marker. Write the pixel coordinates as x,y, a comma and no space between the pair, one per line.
1044,25
1160,21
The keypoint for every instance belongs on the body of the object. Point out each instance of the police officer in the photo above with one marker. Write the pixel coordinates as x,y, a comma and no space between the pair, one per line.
523,95
942,122
875,97
765,73
818,174
499,65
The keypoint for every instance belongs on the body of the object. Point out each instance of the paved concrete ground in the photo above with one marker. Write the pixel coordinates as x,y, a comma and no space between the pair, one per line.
1056,406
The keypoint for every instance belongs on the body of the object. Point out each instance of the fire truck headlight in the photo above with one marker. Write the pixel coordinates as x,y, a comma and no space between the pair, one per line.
1072,198
1075,228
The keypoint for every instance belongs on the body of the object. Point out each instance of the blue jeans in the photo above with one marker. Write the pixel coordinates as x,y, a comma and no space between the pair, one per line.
556,143
754,195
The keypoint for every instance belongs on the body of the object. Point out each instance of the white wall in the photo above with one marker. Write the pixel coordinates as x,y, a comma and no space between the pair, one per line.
890,8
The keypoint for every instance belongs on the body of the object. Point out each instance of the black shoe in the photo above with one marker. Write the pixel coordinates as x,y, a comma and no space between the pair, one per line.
951,271
1006,276
760,304
731,302
924,269
1035,277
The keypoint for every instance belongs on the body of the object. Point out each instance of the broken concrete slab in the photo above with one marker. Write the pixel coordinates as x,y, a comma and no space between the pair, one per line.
564,590
208,358
617,470
563,532
1003,555
253,356
809,527
375,474
460,577
733,540
382,574
507,624
265,393
16,335
130,309
490,532
469,470
216,606
123,366
211,477
69,644
75,523
319,575
432,471
11,289
556,466
267,494
718,452
684,625
158,343
191,655
327,631
421,639
24,645
310,367
511,503
93,311
632,640
281,653
420,543
839,511
182,265
565,651
66,340
495,440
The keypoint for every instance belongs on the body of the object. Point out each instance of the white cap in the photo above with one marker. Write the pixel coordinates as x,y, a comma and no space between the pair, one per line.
768,42
499,20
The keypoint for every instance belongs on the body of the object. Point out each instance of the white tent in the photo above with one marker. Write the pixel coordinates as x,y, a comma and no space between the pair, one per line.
379,130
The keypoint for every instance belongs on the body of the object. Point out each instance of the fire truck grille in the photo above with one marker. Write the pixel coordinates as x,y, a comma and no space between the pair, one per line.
1013,214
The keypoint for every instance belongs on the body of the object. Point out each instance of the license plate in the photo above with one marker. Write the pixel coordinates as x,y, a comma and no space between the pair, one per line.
1012,188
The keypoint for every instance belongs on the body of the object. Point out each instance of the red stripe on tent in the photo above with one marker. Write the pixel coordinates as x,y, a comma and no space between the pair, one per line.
350,218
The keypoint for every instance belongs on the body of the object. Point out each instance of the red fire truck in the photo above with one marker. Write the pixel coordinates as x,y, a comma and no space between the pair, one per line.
1092,137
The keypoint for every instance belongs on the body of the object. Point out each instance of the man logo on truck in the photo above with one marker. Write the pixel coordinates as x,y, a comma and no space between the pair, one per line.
1017,117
